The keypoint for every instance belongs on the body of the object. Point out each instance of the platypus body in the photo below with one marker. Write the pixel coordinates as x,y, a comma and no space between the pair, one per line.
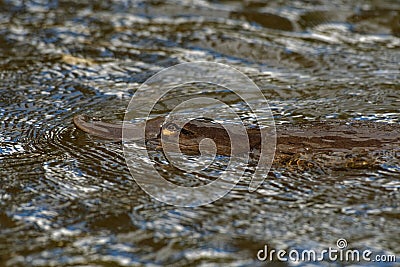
333,144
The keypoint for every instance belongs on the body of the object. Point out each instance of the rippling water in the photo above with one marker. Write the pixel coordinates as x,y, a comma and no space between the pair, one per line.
68,199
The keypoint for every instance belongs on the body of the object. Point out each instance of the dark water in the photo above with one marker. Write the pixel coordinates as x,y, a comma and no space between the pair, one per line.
67,199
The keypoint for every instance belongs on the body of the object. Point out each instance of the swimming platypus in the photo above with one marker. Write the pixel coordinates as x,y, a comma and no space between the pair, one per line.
332,144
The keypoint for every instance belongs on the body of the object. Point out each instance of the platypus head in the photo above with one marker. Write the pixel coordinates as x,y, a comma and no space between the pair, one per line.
210,136
190,135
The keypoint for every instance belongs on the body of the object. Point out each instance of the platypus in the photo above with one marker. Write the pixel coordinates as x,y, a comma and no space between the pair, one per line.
338,144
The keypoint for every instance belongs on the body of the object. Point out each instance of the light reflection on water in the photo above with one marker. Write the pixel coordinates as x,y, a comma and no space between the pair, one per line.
67,198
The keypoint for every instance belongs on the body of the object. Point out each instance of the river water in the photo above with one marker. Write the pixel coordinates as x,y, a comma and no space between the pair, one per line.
68,199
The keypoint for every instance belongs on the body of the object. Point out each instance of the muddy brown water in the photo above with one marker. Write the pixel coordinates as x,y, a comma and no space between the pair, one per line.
68,199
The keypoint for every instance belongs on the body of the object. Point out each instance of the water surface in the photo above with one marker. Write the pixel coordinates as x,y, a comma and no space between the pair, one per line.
67,199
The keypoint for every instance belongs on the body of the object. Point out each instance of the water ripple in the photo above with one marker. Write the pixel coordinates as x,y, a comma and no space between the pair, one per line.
68,199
